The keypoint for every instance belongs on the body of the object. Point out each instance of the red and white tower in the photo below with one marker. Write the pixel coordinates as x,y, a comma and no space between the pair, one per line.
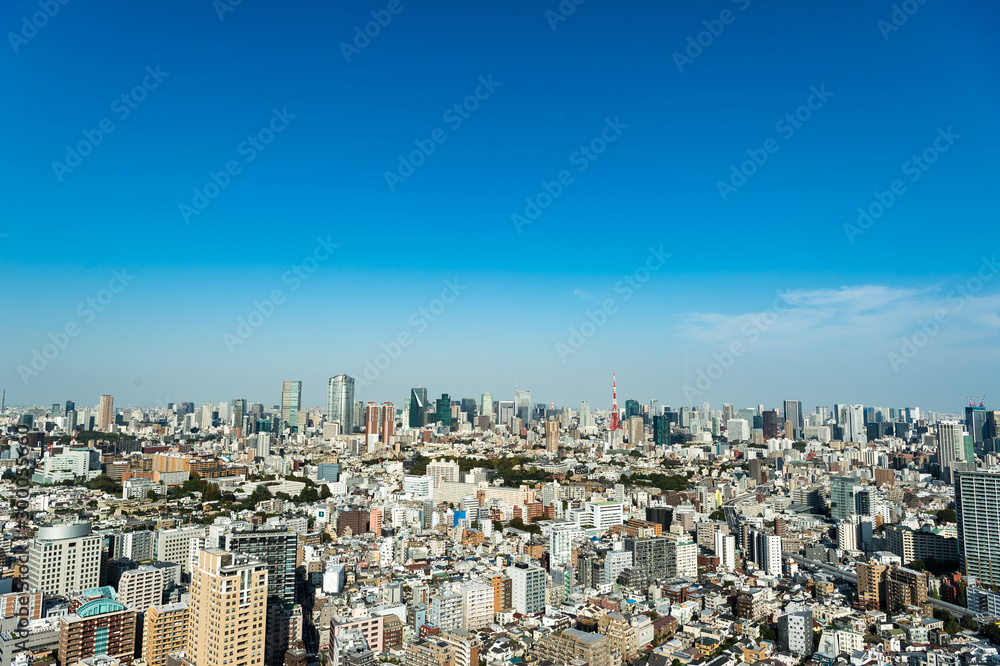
616,423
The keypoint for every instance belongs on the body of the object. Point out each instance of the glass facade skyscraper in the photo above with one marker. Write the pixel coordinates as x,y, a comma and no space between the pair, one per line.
418,407
291,403
340,402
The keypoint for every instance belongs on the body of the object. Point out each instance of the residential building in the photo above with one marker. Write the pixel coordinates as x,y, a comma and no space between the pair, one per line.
165,631
228,610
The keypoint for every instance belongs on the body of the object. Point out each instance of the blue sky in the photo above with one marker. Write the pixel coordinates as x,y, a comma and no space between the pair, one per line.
343,122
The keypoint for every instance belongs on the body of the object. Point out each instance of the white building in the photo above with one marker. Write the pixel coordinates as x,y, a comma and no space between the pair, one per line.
142,588
527,588
603,515
442,470
477,605
175,545
561,544
420,487
725,550
795,633
737,430
64,559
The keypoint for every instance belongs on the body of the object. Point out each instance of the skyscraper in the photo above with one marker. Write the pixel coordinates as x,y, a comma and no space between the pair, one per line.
793,414
951,446
975,422
442,412
228,594
340,402
277,549
586,418
854,429
551,435
661,430
106,413
372,419
522,405
291,403
388,427
771,425
418,407
977,505
842,496
486,406
239,411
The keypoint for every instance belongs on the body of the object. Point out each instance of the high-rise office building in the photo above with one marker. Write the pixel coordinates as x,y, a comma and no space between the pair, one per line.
106,413
661,430
842,496
975,422
340,402
977,505
793,415
522,405
442,413
854,429
418,407
951,446
165,631
291,403
239,411
64,559
207,408
486,406
586,418
772,428
228,610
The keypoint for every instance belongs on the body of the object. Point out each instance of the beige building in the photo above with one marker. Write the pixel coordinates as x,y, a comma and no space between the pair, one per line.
141,588
106,413
228,610
621,634
570,644
165,631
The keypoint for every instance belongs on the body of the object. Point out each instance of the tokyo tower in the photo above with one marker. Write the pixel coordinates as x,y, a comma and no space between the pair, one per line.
616,423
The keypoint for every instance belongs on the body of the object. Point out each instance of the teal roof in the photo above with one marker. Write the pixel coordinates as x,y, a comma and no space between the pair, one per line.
99,607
